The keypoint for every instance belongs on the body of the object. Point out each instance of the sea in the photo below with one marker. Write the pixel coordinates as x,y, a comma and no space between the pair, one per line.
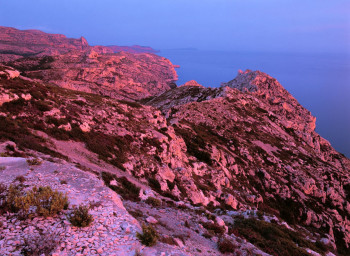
319,81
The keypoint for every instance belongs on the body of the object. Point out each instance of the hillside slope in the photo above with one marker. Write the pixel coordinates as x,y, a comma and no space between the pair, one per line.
216,154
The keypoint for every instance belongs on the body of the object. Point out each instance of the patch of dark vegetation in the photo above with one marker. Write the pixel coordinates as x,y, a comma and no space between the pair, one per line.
14,106
137,214
153,201
272,238
17,131
79,102
213,228
81,217
131,103
154,184
125,188
41,105
149,235
340,242
56,121
226,246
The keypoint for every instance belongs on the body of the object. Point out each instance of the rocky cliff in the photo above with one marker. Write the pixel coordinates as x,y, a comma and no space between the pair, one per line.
72,63
237,169
16,43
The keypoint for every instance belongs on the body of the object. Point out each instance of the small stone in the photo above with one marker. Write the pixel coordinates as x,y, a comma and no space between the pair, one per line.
151,219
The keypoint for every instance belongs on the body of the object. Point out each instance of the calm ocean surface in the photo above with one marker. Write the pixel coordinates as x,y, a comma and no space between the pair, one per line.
320,82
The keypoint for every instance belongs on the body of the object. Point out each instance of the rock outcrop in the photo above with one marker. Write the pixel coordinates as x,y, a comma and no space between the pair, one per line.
242,155
15,43
121,75
73,64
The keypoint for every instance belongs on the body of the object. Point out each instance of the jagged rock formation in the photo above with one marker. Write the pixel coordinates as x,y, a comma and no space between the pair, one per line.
217,147
16,43
72,63
223,154
114,75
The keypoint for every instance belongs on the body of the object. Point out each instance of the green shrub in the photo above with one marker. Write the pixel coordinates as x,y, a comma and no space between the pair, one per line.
81,217
149,235
46,201
13,193
153,201
34,161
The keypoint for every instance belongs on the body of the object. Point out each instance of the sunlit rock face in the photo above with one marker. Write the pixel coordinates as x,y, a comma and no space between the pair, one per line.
16,43
119,75
72,63
244,147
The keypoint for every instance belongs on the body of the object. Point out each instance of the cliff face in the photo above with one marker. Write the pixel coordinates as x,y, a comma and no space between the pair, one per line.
241,162
16,43
121,75
72,63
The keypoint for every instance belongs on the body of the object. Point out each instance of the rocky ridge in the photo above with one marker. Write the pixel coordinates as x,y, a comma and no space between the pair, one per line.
241,163
15,43
74,64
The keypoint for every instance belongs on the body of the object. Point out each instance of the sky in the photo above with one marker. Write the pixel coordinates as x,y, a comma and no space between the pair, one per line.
245,25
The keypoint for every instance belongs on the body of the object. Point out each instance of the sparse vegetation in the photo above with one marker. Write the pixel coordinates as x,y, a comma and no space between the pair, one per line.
213,228
40,244
125,188
44,200
226,246
272,238
81,216
20,179
153,201
34,161
149,235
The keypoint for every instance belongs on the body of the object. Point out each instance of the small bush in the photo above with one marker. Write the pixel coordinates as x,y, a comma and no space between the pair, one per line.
81,217
225,245
149,235
153,201
11,196
46,201
34,161
214,227
20,179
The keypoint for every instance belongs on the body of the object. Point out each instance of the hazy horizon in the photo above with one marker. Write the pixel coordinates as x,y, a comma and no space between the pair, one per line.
271,25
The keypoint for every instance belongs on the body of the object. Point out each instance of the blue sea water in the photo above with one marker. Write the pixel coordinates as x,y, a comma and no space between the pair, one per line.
320,82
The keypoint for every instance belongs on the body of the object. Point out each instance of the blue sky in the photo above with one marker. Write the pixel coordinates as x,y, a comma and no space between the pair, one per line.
246,25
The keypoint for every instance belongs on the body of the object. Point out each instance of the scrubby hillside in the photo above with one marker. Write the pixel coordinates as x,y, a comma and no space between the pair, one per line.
214,167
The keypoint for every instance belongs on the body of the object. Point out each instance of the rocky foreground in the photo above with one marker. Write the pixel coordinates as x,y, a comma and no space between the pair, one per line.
237,169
